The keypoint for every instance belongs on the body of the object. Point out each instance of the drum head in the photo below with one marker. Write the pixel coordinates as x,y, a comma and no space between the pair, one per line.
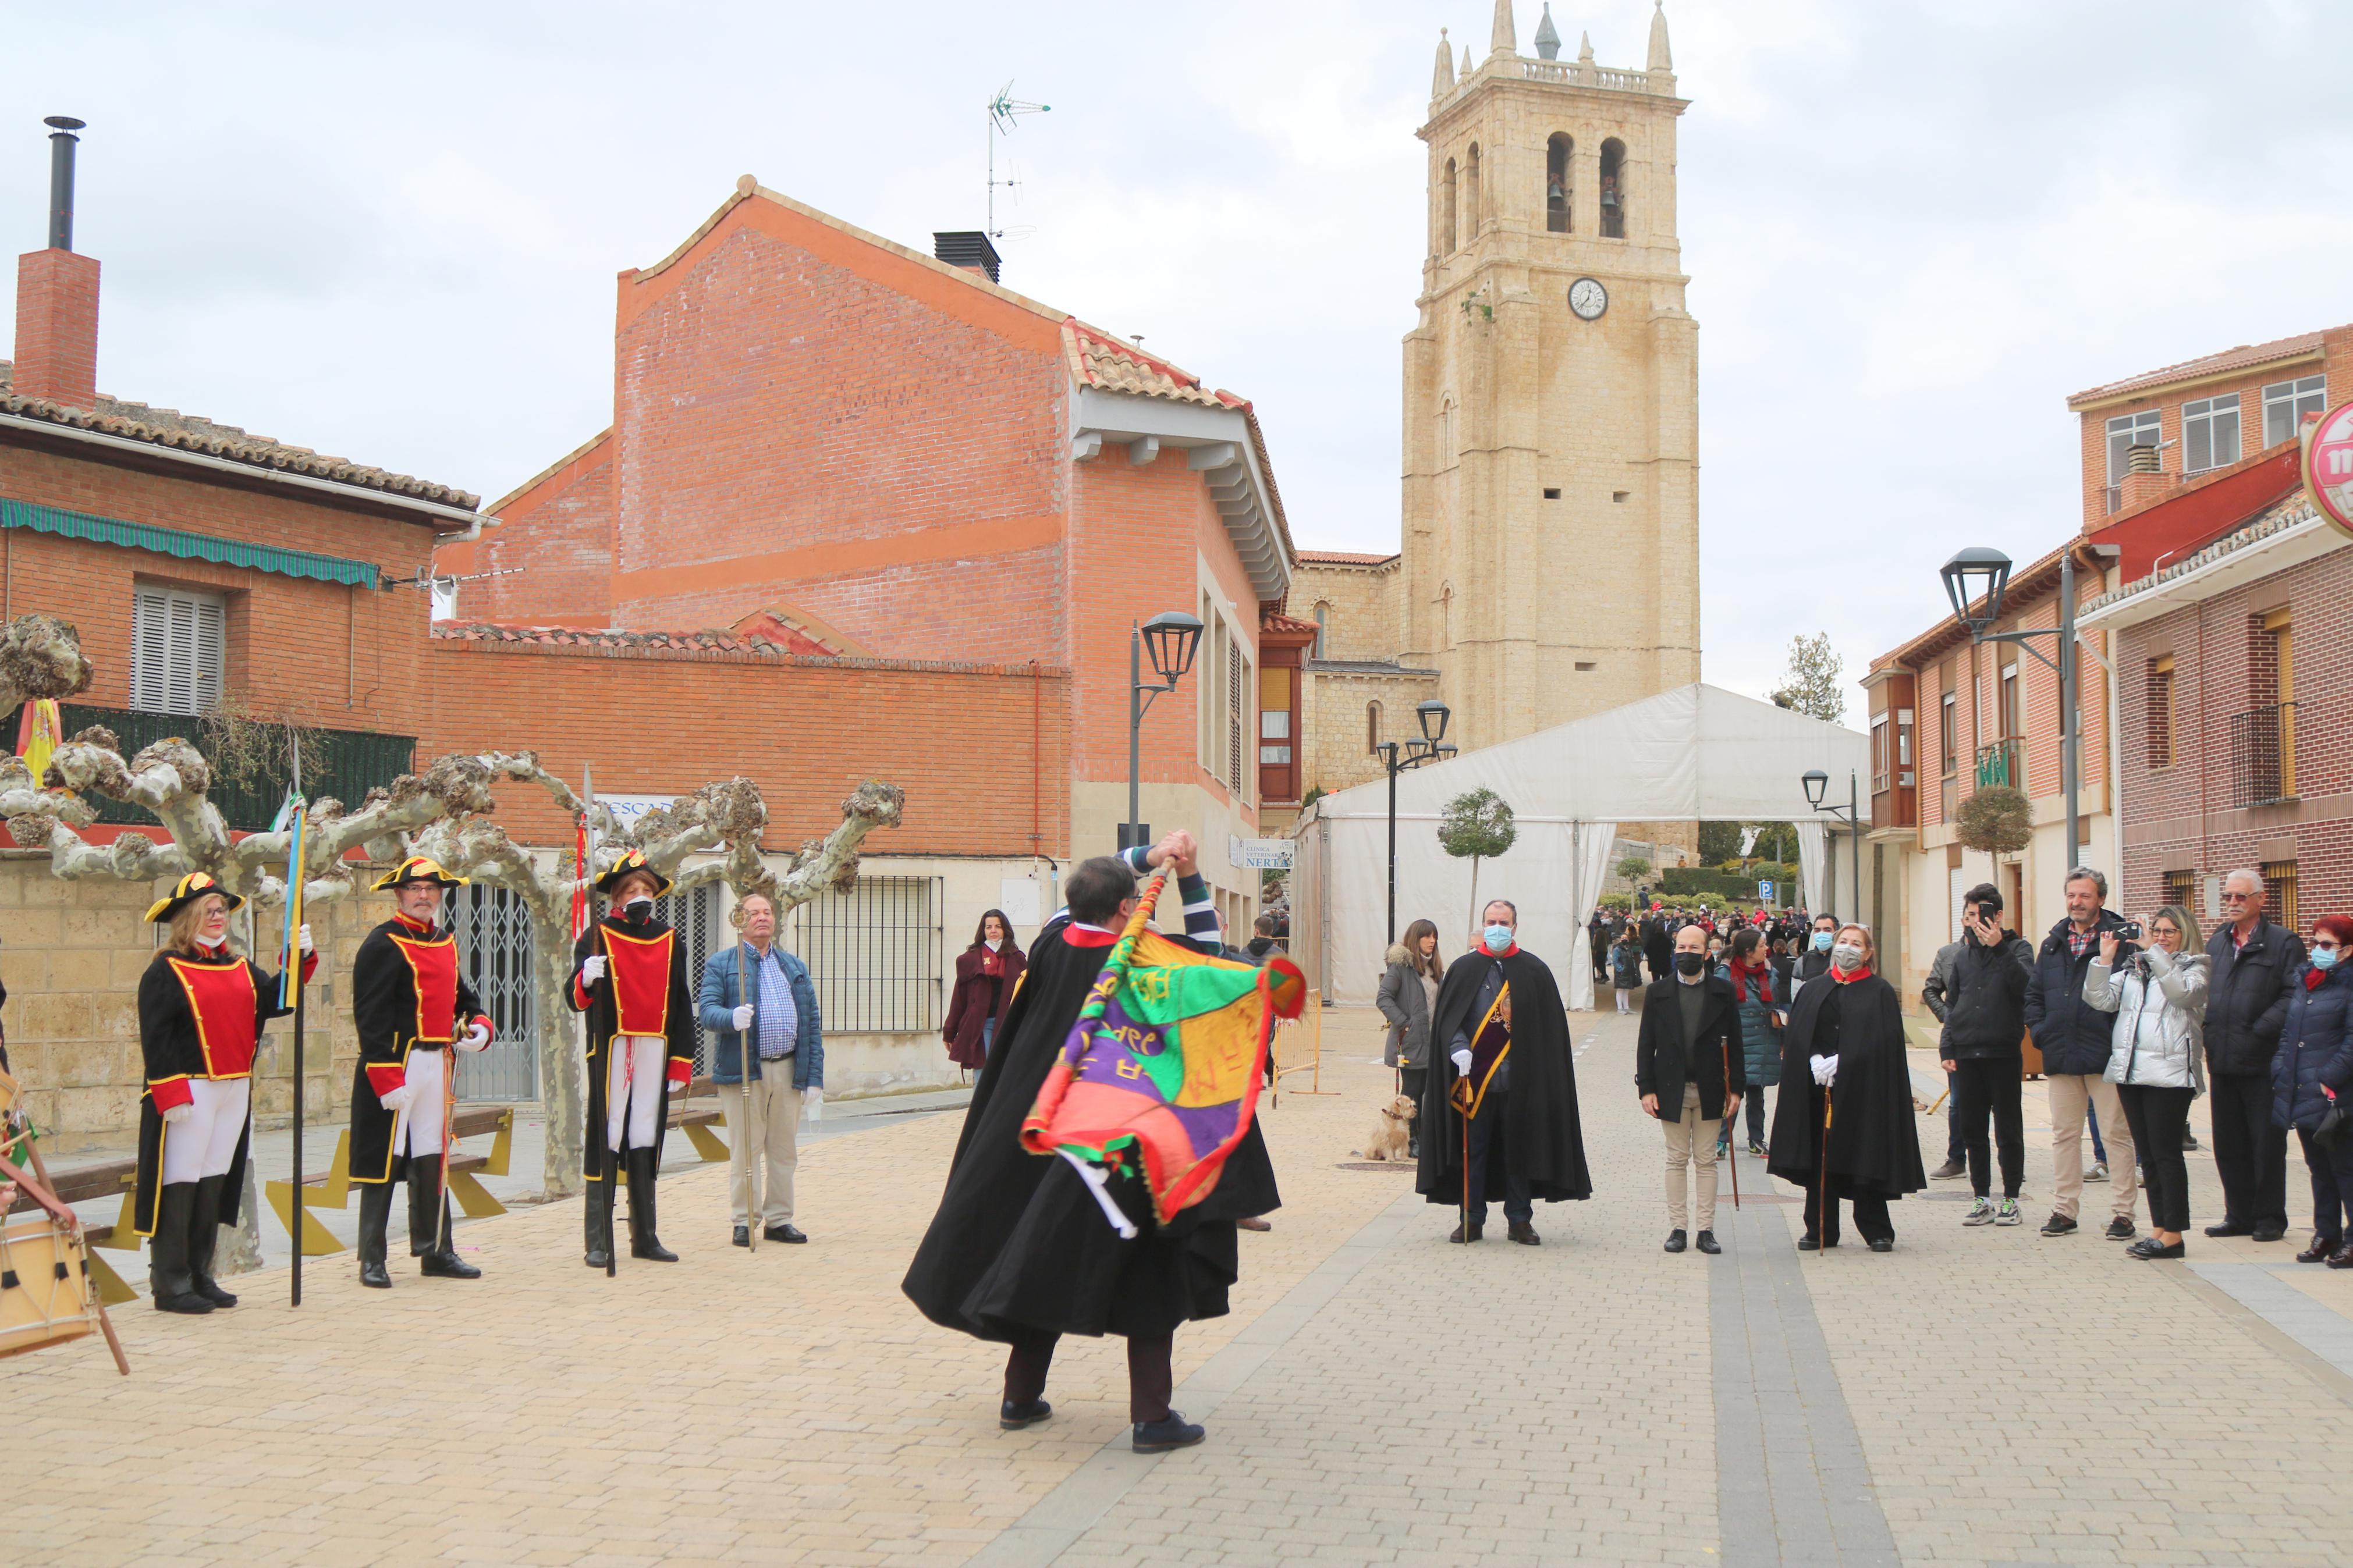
45,1290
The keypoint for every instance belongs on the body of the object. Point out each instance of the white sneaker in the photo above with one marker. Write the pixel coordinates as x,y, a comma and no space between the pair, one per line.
2098,1172
1980,1212
2008,1214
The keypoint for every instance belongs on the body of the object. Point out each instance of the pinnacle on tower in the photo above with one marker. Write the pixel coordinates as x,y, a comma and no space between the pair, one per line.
1442,79
1661,58
1467,66
1505,39
1547,39
1585,49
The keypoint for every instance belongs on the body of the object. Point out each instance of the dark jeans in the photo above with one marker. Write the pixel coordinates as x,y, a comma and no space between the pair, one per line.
1487,1139
2250,1153
2332,1187
1149,1379
2091,1120
1870,1217
2156,1117
1752,1106
1957,1148
1414,1080
1987,1086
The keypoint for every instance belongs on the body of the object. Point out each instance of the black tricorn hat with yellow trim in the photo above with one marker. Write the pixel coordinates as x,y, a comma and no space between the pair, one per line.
187,891
635,860
417,868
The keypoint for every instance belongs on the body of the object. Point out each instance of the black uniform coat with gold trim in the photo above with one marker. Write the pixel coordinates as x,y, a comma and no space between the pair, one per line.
178,1042
1544,1139
612,937
408,992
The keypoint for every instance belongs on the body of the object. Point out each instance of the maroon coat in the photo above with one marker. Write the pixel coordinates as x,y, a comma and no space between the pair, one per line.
980,996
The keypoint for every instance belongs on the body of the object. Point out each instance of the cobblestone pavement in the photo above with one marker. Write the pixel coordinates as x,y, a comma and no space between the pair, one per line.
1980,1396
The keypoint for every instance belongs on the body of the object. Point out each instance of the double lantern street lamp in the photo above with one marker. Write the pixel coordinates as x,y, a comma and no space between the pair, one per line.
1432,716
1173,637
1817,784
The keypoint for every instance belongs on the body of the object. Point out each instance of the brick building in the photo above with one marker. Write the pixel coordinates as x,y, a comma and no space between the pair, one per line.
2177,464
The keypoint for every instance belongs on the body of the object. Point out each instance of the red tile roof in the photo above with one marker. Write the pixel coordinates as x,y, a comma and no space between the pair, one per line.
2246,356
1098,359
1344,558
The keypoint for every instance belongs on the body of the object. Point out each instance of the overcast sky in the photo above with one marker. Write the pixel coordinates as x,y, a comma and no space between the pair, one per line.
1911,229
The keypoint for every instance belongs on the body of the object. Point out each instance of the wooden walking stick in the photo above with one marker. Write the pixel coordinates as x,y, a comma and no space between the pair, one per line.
1731,1135
744,1133
1823,1179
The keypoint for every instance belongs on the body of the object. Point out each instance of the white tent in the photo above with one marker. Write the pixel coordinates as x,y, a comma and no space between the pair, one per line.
1695,753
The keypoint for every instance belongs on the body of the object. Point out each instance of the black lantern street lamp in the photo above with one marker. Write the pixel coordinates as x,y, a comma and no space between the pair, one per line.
1974,575
1173,636
1978,574
1818,784
1432,716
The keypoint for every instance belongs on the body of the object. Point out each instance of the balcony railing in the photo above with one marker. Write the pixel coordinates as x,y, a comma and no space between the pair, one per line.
356,761
2262,754
2003,762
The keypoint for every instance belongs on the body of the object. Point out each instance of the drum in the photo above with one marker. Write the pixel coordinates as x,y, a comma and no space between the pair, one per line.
44,1291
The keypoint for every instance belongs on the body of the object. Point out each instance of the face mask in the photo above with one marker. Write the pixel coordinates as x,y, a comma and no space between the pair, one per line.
640,908
1690,962
1499,939
995,943
1823,940
2324,958
1847,956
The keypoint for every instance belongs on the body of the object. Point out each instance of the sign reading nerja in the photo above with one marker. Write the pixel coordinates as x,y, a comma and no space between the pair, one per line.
2328,466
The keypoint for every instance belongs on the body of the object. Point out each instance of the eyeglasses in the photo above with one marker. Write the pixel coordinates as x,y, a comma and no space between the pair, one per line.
2324,947
2238,897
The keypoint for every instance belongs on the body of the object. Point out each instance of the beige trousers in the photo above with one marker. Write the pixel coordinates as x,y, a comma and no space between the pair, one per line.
771,1139
2069,1092
1691,1143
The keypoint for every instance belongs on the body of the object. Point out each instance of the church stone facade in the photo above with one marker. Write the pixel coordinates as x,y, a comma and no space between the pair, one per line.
1548,566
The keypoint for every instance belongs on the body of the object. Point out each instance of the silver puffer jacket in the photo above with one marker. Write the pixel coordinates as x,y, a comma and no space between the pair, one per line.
2159,1001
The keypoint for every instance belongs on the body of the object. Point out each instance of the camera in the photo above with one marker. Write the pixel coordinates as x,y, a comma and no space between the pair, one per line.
2129,931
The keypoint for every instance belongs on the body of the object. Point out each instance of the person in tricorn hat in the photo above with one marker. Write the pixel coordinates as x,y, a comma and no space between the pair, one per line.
630,976
201,1009
412,1008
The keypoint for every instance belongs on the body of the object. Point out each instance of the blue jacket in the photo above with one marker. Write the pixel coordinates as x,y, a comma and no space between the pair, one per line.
1760,1037
716,1007
2072,1036
2316,1047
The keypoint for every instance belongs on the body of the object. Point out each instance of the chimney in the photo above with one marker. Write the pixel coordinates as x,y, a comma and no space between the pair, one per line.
57,295
967,249
2144,479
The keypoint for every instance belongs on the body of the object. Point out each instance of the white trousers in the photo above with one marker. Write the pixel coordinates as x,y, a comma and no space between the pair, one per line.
769,1134
421,1128
633,1089
204,1144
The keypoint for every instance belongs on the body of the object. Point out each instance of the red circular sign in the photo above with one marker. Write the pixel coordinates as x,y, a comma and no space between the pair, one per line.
2328,466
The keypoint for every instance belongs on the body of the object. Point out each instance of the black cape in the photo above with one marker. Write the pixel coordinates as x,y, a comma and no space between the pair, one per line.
597,1160
1020,1245
384,1008
1544,1140
171,1047
1874,1146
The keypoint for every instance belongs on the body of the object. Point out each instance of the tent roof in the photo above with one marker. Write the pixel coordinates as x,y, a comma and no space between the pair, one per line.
1697,753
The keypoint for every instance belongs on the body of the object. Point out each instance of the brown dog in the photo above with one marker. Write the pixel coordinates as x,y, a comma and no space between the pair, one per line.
1388,1141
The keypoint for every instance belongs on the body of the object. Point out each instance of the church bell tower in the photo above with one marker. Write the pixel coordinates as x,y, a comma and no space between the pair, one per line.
1550,535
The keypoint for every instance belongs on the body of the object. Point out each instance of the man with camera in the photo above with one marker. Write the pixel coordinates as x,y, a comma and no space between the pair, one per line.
2075,1037
1984,998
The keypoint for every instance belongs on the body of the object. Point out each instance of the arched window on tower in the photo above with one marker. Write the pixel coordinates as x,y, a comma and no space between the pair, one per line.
1372,728
1613,189
1557,187
1471,210
1449,236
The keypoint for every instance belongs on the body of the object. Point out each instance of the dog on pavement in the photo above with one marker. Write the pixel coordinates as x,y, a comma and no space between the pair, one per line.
1390,1133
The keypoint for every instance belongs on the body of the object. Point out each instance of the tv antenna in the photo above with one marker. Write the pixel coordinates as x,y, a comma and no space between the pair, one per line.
1004,112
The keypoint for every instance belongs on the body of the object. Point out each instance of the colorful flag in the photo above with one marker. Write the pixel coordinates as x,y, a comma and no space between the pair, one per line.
293,818
1162,1067
39,733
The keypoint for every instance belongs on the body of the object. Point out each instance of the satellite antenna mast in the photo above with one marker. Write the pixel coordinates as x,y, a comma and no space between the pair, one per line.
1002,113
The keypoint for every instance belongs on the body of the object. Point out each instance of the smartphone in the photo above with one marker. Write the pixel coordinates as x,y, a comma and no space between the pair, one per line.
2129,931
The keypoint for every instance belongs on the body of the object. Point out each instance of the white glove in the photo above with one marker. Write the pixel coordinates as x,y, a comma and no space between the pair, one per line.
178,1114
592,969
1825,1069
744,1017
477,1037
813,1102
1462,1063
302,939
397,1100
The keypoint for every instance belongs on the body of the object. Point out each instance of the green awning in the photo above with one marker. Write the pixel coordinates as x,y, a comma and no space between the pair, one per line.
186,546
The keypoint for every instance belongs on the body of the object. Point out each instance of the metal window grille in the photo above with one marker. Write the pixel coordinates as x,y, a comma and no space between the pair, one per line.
2161,713
695,915
2179,886
873,954
2003,762
494,954
2259,740
2279,892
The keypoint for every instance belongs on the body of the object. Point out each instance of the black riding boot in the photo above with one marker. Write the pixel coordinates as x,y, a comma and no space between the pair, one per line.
596,1219
168,1278
375,1214
204,1240
643,1242
429,1220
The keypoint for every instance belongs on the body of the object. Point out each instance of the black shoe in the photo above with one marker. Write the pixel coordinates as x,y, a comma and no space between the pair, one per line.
2270,1233
2342,1257
168,1281
1013,1417
743,1235
2150,1249
1524,1233
376,1212
204,1236
2317,1253
1675,1242
2120,1229
2059,1225
446,1265
372,1275
2189,1138
2230,1228
1883,1244
1706,1241
1476,1231
786,1232
1810,1243
1171,1431
643,1242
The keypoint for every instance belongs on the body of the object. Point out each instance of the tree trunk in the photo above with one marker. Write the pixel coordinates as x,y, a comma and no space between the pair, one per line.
561,1102
1475,900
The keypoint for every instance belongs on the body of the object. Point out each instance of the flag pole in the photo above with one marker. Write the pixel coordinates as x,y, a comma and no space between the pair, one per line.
293,975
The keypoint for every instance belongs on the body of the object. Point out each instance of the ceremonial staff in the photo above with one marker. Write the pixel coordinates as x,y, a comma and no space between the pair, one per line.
744,1070
588,1021
1823,1179
1731,1133
289,977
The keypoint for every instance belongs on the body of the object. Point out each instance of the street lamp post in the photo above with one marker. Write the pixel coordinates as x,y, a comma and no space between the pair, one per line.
1433,715
1979,576
1817,784
1172,636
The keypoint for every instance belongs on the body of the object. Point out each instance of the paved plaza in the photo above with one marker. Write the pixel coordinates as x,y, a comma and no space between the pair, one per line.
1377,1396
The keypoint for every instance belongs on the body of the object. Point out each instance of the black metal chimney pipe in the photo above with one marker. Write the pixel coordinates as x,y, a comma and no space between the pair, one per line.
61,179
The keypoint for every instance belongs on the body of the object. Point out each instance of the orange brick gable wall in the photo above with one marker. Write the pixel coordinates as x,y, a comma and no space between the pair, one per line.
957,739
328,654
554,542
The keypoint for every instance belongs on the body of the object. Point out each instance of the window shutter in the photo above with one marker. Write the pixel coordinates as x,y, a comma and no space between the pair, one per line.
1234,712
176,650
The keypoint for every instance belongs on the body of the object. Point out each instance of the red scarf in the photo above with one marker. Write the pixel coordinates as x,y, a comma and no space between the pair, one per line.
1757,975
1862,973
2314,979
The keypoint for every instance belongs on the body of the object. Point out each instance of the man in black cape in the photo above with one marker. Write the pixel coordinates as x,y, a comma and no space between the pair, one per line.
1847,1027
1020,1252
1501,1032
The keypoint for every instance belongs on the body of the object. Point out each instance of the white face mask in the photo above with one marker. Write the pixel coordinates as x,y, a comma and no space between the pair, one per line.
1846,956
992,943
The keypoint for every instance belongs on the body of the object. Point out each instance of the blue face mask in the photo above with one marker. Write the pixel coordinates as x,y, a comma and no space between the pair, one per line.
1499,939
1822,939
2324,958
